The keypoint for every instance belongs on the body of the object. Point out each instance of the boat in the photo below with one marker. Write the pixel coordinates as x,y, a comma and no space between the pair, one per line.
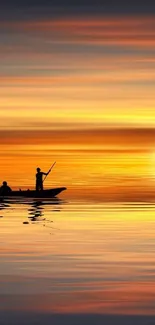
49,193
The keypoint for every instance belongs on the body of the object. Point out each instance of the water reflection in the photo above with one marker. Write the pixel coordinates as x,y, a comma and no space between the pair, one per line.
100,257
38,210
3,205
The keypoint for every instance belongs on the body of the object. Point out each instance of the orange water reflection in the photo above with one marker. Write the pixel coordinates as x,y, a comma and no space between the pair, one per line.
78,257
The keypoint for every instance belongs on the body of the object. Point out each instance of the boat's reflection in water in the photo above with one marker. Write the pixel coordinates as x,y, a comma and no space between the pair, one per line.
39,210
4,205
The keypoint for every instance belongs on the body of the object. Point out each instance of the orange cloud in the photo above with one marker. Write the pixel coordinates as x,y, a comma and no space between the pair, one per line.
126,138
136,31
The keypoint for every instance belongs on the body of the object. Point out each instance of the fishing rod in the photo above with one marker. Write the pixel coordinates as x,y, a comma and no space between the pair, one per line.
49,171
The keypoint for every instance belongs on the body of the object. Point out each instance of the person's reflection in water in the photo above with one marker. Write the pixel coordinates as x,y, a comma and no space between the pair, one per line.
37,210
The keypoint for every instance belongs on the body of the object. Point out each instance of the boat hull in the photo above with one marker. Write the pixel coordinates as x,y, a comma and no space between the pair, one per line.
34,194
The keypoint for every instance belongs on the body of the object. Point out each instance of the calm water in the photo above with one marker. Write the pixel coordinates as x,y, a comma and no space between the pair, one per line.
72,259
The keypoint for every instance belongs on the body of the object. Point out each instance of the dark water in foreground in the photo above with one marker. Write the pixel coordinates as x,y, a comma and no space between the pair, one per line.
76,262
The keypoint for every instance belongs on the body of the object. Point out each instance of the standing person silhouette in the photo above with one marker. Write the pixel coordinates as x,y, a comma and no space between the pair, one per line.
39,179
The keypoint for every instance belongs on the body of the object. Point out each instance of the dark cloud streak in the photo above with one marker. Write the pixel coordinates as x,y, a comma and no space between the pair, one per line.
37,8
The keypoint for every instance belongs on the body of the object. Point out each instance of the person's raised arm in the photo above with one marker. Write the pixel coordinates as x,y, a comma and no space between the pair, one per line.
45,173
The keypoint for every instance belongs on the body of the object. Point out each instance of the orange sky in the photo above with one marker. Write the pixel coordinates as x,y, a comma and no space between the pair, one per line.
77,83
77,73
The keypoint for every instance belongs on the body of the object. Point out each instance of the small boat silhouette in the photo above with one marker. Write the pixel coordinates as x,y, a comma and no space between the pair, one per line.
49,193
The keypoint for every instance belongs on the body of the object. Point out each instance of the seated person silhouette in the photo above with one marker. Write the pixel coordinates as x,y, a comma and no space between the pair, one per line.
39,180
5,189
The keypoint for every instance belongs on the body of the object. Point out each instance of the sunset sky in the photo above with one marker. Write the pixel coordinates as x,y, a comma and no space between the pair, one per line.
77,92
77,75
72,68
